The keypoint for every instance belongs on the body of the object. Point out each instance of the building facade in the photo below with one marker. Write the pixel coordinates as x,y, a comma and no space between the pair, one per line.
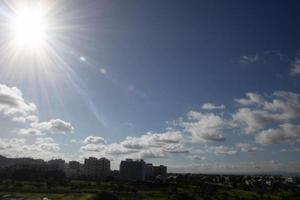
133,170
57,164
75,165
160,172
97,168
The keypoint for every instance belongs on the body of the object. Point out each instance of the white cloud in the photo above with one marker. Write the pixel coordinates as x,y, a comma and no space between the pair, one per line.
285,133
259,112
11,143
252,98
45,148
151,153
149,145
210,106
118,149
252,120
248,59
244,147
13,104
54,126
223,150
47,144
94,140
92,148
205,126
198,157
30,131
175,148
152,139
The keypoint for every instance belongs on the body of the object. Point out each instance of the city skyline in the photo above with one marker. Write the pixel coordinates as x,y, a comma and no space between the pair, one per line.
92,169
201,87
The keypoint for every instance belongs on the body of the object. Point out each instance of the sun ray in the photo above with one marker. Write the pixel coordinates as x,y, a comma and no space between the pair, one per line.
35,46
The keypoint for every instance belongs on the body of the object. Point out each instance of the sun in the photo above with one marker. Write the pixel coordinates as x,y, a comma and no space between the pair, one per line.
29,28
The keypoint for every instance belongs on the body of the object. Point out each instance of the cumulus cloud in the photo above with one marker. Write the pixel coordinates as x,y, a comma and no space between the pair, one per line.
252,120
285,133
94,140
54,126
258,111
30,131
205,126
45,148
92,148
149,145
152,139
12,104
175,148
211,106
151,153
252,98
47,144
108,150
118,149
6,144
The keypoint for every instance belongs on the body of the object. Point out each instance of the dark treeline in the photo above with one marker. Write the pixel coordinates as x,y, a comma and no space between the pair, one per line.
32,174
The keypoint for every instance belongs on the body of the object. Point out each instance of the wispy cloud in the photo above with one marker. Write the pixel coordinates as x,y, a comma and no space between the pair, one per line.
211,106
249,59
295,70
245,147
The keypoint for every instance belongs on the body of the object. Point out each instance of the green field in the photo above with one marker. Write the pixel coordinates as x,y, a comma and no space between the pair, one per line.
39,196
83,190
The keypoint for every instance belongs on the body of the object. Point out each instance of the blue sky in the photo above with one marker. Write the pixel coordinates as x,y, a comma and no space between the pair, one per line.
201,86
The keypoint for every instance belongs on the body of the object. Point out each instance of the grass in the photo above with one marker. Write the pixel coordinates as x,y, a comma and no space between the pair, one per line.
84,190
39,196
